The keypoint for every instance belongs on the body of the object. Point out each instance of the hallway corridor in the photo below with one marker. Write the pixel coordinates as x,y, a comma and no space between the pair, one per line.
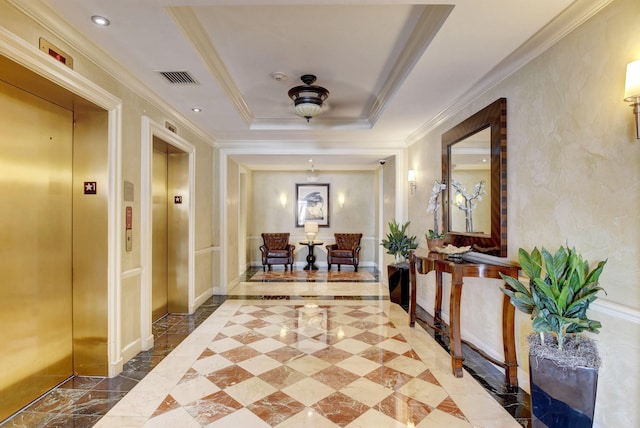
281,354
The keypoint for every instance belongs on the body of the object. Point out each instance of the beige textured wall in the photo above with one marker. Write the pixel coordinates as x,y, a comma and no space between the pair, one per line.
573,178
204,224
388,207
268,215
232,225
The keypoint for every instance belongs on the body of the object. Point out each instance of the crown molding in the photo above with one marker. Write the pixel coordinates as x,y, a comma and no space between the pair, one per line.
427,26
295,124
571,18
192,29
323,147
49,19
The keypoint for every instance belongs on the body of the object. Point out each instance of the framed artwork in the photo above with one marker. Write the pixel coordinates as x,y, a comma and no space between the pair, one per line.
312,204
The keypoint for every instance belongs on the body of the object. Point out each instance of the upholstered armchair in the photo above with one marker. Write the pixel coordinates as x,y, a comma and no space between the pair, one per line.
345,251
276,250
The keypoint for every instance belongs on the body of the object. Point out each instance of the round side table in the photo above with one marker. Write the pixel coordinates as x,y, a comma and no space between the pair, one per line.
311,259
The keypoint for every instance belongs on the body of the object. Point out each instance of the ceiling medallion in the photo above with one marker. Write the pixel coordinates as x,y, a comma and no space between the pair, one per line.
308,98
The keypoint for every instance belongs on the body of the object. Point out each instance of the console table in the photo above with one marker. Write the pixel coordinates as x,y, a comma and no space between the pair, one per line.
424,263
311,258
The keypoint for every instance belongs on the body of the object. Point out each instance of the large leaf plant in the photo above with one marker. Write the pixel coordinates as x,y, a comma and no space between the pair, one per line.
398,242
561,288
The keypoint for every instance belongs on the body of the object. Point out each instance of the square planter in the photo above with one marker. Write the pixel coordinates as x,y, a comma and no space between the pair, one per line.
561,397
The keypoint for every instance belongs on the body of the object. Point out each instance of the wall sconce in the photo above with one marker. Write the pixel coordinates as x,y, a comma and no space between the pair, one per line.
632,91
341,200
283,200
412,180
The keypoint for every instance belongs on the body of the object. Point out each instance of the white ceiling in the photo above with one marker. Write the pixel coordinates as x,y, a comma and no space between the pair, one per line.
393,68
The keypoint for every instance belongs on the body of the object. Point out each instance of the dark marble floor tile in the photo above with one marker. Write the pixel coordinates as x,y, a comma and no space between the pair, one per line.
82,400
97,402
81,382
75,421
58,401
28,419
118,384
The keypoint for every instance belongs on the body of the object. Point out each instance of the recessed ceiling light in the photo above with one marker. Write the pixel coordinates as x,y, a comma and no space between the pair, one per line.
196,109
100,20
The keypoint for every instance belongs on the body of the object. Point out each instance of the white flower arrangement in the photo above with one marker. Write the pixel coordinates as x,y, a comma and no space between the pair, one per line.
434,207
469,200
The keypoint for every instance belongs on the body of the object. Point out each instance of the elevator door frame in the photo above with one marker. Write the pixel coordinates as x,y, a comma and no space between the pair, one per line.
23,53
151,129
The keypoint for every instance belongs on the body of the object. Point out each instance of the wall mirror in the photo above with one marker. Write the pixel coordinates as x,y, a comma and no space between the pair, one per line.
474,166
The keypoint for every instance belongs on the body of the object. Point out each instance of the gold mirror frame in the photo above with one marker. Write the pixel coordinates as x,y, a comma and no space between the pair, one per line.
494,116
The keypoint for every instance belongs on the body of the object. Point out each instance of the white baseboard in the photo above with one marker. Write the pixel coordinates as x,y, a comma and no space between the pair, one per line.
199,300
131,350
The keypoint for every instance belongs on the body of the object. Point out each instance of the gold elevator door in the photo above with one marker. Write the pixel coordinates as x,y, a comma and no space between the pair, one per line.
159,287
36,345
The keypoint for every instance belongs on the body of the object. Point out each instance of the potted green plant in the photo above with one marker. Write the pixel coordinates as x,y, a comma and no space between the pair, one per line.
434,237
563,363
398,242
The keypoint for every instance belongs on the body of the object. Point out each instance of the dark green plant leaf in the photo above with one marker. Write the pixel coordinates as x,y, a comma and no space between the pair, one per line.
561,288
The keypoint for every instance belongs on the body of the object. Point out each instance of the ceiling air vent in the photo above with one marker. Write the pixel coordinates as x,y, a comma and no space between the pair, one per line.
179,77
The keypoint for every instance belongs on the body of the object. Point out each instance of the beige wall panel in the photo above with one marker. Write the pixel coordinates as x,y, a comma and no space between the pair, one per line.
215,191
36,253
219,285
388,206
204,272
204,172
233,195
90,243
130,309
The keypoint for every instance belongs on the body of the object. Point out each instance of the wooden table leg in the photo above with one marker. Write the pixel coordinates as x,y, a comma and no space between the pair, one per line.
455,341
412,289
437,306
509,342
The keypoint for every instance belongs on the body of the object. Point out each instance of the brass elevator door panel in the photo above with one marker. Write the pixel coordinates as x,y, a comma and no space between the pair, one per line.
36,140
159,288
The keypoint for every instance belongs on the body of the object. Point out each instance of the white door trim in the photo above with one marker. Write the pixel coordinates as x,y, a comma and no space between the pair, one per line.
149,130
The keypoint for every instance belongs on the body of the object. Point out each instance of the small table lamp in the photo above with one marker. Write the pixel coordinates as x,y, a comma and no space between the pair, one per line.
311,229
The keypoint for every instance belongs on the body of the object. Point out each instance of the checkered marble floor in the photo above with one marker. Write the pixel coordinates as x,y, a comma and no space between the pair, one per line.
307,363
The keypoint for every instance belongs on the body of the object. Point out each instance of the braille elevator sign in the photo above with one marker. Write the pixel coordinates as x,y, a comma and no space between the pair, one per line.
90,187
